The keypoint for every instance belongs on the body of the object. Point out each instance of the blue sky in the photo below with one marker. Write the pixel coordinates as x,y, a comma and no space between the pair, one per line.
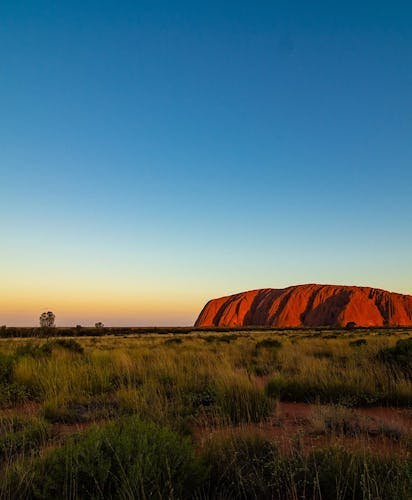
157,154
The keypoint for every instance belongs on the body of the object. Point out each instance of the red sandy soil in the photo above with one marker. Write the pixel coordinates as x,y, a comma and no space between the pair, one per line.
291,427
309,306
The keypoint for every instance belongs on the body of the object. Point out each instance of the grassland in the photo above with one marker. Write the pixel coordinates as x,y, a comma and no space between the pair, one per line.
248,414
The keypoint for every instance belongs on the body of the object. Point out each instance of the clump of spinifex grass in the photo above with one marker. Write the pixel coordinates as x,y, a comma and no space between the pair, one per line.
246,466
125,459
192,385
398,357
168,384
334,390
134,459
334,372
339,420
240,401
311,369
19,434
37,349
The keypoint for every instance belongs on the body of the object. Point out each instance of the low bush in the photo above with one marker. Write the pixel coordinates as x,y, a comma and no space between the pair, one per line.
322,354
399,356
36,350
268,344
6,368
69,344
173,341
126,459
10,391
13,393
221,338
357,343
21,435
336,392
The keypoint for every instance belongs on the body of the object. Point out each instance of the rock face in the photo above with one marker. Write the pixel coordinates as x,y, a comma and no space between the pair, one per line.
309,306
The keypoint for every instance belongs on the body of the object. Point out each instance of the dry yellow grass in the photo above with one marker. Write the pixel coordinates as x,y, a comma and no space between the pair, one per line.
195,382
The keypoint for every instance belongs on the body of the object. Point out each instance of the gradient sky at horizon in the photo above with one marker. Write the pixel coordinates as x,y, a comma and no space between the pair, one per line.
156,154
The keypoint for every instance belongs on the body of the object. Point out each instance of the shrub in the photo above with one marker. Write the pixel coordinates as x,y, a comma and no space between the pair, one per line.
173,341
399,356
36,350
322,354
357,343
6,368
221,338
126,459
350,325
268,344
18,435
69,344
10,391
339,392
67,332
204,397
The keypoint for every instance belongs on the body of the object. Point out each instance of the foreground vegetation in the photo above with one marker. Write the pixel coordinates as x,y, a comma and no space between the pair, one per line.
199,415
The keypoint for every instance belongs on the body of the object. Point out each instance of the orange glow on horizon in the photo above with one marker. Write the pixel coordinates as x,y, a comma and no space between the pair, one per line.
22,307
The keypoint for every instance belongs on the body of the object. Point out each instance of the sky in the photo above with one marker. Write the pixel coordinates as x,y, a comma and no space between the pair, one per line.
154,155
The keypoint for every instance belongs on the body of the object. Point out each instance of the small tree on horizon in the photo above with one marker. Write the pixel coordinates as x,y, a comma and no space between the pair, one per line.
99,324
47,319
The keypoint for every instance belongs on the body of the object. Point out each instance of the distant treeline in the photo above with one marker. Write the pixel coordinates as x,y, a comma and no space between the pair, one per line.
86,331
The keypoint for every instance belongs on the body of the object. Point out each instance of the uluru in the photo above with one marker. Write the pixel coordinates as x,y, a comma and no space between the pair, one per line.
309,306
